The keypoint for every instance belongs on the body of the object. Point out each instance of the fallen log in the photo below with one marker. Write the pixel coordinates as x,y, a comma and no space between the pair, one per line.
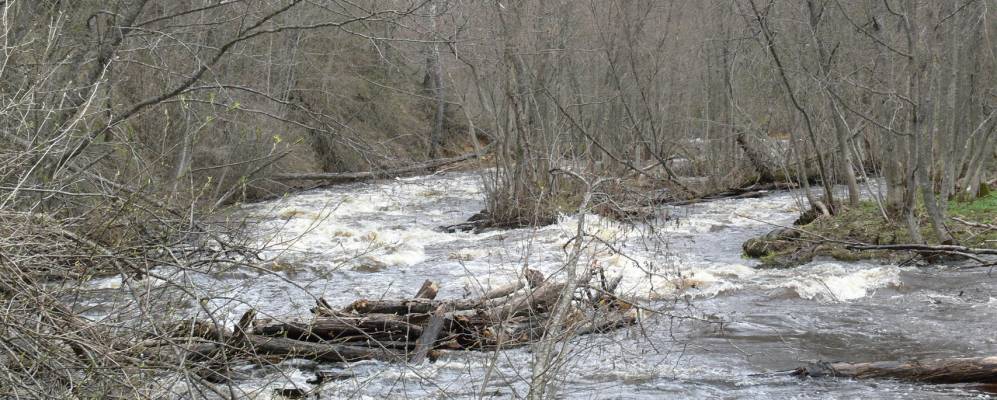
533,302
289,348
941,371
409,306
338,177
988,227
422,305
483,222
425,342
194,351
462,227
606,322
771,159
533,279
604,296
767,158
510,333
747,192
387,327
503,290
428,290
924,248
510,315
322,307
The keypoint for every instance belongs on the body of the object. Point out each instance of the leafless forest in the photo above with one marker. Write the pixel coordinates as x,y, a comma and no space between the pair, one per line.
146,142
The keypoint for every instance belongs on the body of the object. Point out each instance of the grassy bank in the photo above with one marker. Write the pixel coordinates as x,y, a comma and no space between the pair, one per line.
866,224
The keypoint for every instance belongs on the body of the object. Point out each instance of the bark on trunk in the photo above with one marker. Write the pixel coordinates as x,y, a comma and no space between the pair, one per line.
428,290
289,348
772,162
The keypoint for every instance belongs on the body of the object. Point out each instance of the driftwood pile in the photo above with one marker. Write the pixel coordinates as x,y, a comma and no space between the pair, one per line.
406,330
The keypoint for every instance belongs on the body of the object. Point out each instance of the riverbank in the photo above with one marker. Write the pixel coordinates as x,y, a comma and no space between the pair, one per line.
972,224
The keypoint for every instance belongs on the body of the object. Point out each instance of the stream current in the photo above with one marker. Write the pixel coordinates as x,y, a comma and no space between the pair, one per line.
725,328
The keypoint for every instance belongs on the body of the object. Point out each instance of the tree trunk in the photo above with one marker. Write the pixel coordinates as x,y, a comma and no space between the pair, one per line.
434,67
770,45
837,117
922,117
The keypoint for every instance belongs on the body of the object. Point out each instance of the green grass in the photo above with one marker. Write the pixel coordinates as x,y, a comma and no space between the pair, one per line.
865,223
983,209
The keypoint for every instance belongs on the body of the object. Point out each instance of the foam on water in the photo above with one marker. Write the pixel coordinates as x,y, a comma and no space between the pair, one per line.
378,240
353,226
834,282
359,229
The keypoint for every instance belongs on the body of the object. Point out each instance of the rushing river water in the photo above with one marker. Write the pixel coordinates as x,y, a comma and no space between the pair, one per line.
378,240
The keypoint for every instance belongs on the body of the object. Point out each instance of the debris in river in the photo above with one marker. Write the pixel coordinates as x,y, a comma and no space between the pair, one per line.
412,330
945,370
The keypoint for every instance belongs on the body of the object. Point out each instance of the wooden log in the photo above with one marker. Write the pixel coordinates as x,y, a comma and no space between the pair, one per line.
409,306
988,227
952,249
290,393
462,227
604,295
750,191
387,327
503,290
942,371
393,330
289,348
179,352
195,328
747,192
323,308
534,302
425,342
772,161
337,177
428,290
515,332
399,345
283,347
523,330
329,376
606,322
533,279
765,156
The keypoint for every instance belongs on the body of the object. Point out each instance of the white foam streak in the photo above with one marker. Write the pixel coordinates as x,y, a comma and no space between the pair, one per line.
832,282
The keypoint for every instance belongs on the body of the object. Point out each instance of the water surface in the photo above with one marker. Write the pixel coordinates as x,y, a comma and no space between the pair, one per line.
721,328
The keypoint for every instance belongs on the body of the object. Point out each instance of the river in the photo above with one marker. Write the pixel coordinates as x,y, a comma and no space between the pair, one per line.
722,328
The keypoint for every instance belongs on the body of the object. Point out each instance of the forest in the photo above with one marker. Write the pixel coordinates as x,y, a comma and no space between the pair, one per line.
498,199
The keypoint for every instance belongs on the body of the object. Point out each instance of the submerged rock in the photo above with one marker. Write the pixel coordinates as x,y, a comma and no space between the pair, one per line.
778,240
717,228
370,265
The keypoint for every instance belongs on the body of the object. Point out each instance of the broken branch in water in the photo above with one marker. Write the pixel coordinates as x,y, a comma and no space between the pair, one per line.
405,330
945,370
